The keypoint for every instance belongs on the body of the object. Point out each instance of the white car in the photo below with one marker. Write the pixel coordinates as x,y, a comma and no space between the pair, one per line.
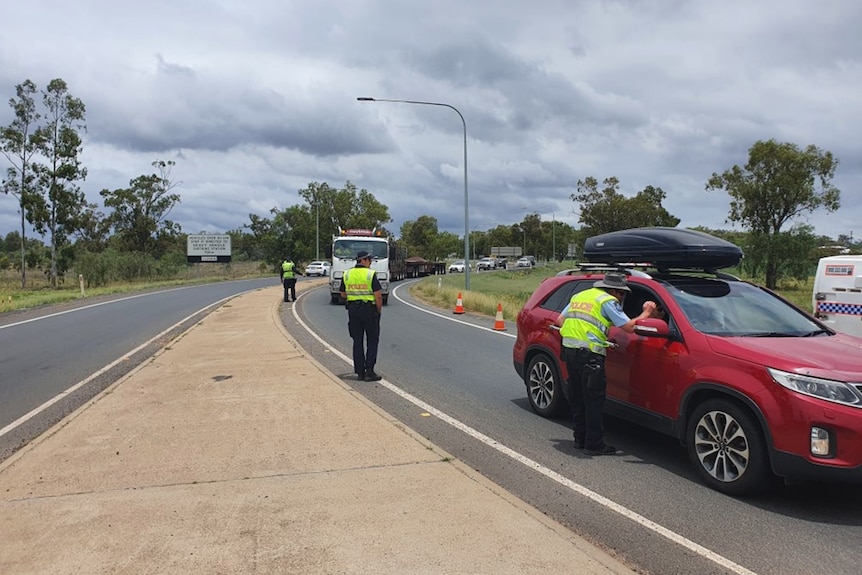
524,263
456,267
486,264
318,268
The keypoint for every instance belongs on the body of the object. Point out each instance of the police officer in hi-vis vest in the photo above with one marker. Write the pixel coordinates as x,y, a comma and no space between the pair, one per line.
361,288
288,279
585,324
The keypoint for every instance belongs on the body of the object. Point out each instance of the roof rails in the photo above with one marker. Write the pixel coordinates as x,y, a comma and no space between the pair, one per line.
629,268
636,269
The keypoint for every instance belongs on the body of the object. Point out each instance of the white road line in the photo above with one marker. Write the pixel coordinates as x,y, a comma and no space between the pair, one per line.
50,315
90,378
535,466
446,317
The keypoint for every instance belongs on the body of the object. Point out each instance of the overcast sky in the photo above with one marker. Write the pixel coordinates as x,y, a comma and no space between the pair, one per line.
254,99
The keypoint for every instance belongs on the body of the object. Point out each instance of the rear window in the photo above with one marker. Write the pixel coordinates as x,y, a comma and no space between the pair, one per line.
561,297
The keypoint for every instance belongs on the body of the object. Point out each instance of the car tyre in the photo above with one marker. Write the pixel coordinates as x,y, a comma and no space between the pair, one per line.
544,386
726,446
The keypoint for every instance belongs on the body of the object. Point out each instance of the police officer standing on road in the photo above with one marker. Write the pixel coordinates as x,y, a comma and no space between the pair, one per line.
585,324
288,279
361,288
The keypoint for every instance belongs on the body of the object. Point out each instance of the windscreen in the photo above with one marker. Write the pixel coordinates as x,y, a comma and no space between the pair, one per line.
739,309
349,247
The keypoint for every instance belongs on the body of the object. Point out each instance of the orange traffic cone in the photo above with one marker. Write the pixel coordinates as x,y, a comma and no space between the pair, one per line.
498,321
459,305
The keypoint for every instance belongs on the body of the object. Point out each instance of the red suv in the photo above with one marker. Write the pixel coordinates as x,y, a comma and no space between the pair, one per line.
751,385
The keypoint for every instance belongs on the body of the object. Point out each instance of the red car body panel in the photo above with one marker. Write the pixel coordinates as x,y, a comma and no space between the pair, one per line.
660,375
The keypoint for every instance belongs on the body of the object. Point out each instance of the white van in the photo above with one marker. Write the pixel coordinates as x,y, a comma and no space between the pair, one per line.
837,298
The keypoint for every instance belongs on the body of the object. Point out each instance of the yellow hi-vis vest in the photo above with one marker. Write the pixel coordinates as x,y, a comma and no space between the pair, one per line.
287,270
357,284
584,317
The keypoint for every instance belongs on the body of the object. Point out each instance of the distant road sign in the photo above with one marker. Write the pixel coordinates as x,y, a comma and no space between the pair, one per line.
208,248
505,251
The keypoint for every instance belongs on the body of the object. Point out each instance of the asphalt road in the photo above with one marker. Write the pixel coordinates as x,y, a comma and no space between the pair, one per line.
450,378
646,506
67,354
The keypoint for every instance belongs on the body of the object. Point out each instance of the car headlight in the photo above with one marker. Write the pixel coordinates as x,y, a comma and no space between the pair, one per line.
828,389
337,275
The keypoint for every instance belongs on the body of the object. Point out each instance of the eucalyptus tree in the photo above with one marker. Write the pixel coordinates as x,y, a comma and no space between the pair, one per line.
139,212
347,207
20,141
779,184
57,200
607,210
419,235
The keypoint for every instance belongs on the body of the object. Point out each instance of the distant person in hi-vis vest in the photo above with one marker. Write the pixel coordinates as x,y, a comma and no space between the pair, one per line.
288,279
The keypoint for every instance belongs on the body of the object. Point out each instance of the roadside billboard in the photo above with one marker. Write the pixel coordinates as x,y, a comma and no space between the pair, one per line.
208,248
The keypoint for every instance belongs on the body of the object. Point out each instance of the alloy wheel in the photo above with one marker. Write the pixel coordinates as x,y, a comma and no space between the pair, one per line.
722,446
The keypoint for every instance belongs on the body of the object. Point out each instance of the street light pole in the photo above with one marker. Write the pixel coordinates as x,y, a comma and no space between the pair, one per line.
317,228
554,236
466,210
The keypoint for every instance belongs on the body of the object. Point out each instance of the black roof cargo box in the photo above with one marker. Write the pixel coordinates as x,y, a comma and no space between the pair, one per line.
663,247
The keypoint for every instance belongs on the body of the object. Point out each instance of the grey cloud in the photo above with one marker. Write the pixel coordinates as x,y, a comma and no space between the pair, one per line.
257,99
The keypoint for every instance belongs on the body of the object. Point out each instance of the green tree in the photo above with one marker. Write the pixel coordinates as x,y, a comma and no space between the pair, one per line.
327,209
794,251
58,201
93,230
359,209
320,200
529,235
139,216
420,235
244,246
779,183
265,234
304,231
19,142
444,244
607,210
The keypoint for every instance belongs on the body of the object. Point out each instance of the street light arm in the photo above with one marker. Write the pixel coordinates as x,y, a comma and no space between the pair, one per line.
366,99
466,206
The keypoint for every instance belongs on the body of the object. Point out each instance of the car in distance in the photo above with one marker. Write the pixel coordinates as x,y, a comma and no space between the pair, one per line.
318,268
486,264
524,263
753,387
456,267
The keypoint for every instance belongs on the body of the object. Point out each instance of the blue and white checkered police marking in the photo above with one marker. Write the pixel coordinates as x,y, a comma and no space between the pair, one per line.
837,307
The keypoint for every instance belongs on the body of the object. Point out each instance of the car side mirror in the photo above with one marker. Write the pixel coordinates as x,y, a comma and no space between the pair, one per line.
652,327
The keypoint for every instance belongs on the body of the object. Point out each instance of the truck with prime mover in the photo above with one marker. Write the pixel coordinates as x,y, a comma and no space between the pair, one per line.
387,260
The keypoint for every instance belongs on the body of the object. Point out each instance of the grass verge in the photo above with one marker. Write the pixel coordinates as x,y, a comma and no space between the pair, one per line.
512,289
40,293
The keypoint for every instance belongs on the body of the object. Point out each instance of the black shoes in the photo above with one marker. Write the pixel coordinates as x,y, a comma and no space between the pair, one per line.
371,376
603,449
